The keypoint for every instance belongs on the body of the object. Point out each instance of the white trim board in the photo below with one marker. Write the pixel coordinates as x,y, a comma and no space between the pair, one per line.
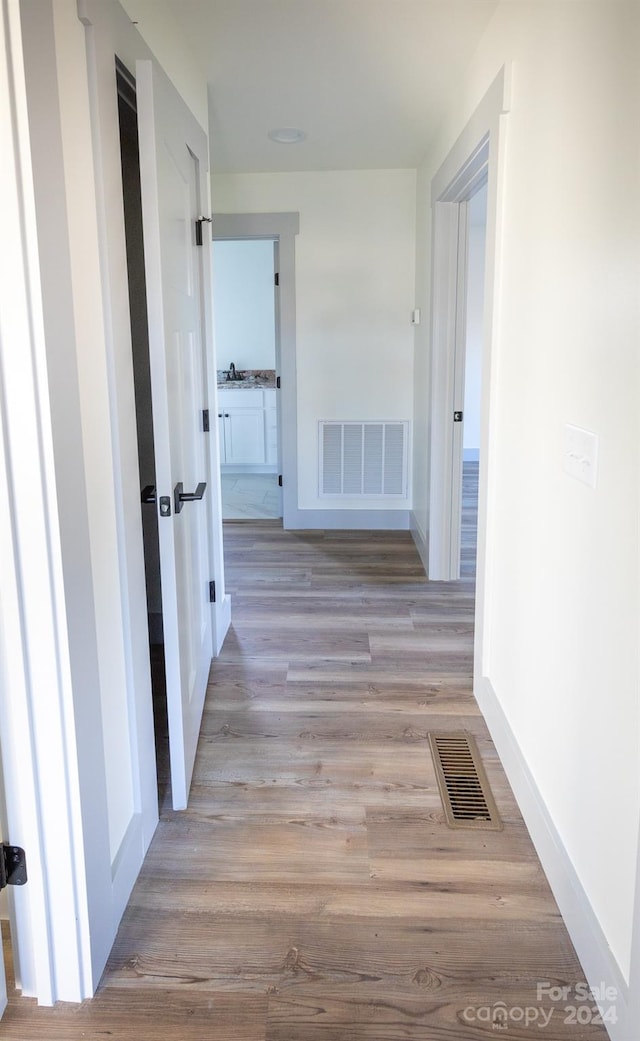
221,623
420,539
350,520
255,468
51,673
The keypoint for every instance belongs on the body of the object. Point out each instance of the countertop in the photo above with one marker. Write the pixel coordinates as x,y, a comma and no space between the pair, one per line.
252,379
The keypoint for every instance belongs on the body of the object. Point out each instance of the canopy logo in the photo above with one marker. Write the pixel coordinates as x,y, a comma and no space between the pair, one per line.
500,1016
576,1004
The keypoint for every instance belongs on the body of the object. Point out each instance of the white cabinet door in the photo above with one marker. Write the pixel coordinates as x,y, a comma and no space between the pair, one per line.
173,164
244,436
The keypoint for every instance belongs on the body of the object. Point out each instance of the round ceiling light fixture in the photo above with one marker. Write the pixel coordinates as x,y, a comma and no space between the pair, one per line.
287,135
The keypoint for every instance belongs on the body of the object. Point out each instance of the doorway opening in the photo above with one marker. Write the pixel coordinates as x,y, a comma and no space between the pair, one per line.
279,229
458,296
474,161
471,377
132,203
246,322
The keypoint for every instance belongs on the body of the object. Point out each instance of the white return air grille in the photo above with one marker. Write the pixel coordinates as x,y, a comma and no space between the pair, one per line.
363,459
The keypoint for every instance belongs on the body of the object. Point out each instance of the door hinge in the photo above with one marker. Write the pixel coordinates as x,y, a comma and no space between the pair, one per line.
13,866
276,278
212,592
205,420
280,480
199,222
457,417
278,384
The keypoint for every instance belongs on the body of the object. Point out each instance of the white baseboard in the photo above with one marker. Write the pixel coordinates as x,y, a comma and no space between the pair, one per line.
585,931
348,520
221,623
253,468
420,540
126,865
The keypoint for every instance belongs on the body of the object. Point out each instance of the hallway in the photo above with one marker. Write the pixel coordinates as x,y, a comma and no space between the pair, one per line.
311,891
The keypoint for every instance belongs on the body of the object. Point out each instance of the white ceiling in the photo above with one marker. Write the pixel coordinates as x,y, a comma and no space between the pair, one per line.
366,79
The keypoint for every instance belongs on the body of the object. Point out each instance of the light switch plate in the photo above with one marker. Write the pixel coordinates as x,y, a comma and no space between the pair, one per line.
580,457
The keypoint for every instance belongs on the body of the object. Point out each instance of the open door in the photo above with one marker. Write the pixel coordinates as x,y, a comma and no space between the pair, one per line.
174,168
459,358
3,980
450,195
3,989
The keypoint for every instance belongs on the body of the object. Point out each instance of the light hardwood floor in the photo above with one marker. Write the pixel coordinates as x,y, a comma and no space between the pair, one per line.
311,891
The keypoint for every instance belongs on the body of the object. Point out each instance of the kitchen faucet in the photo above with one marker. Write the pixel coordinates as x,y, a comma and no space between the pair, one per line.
232,372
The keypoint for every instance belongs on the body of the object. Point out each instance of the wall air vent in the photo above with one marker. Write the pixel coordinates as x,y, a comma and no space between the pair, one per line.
365,460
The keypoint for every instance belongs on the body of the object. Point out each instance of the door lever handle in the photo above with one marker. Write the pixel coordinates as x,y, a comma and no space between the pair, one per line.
179,497
148,493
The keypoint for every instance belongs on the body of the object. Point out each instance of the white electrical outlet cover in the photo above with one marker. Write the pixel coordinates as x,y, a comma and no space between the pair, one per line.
580,455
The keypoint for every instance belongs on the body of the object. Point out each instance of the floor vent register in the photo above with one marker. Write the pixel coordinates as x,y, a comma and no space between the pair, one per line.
464,788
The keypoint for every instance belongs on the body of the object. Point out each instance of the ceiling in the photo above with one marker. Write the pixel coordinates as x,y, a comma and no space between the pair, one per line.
365,79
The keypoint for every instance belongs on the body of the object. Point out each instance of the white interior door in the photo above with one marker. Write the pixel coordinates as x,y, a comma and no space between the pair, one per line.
3,989
173,167
457,418
3,978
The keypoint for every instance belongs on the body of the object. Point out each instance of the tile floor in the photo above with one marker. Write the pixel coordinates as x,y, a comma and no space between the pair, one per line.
250,496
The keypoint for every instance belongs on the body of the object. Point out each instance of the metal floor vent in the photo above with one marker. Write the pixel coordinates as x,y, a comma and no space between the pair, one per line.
466,796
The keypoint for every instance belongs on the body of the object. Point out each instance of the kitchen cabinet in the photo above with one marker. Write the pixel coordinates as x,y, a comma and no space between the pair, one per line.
242,435
247,426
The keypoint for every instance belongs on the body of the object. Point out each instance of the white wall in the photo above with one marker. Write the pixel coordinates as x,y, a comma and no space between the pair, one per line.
244,300
562,588
355,257
475,313
159,27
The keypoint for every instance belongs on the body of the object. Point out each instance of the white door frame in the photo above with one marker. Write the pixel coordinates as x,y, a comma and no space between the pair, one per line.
38,659
282,228
477,155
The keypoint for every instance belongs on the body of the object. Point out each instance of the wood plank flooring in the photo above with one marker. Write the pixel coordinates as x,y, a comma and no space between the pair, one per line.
312,891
